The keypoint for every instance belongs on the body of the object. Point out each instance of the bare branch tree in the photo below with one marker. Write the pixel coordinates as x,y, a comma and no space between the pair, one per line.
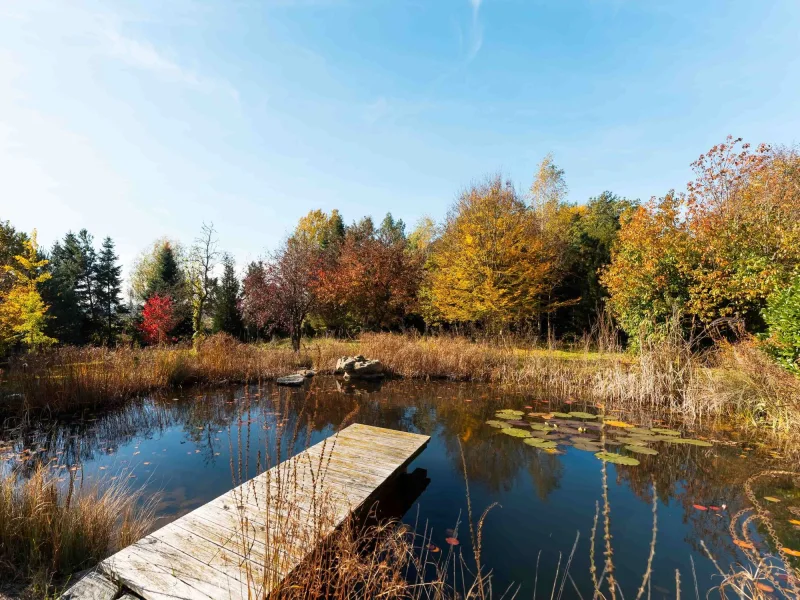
202,262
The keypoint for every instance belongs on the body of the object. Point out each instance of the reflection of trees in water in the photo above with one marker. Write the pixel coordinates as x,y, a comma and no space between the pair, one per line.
456,413
693,475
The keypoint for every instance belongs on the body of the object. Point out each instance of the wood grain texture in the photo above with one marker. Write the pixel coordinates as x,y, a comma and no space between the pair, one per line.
92,586
247,540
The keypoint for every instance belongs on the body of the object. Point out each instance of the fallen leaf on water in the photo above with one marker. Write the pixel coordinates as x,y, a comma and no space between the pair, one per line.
714,508
700,507
771,499
745,545
791,552
135,453
794,521
614,423
764,587
452,541
147,463
433,548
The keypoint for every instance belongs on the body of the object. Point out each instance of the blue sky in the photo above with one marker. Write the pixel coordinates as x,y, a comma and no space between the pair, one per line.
144,119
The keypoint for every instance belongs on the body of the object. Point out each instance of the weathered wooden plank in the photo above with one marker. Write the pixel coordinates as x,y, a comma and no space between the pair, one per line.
251,537
92,586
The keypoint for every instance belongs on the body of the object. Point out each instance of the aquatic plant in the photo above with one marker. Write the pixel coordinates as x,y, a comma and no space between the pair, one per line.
497,424
540,443
641,450
689,441
617,459
514,432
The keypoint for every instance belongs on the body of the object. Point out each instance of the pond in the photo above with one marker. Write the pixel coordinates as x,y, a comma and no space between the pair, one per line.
191,446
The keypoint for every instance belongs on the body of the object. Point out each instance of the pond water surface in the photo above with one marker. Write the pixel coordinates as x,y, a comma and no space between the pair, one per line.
190,447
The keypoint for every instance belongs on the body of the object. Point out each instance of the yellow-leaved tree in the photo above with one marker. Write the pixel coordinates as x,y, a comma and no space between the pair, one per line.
489,266
22,311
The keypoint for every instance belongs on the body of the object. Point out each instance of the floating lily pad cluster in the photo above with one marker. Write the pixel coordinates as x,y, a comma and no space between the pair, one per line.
583,431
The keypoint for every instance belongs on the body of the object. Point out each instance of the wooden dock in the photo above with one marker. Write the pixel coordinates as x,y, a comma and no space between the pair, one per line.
228,548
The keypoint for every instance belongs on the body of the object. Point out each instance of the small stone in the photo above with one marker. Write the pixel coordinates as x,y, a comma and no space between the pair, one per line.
294,380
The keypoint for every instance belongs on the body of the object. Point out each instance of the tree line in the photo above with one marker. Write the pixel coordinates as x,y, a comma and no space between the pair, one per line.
724,253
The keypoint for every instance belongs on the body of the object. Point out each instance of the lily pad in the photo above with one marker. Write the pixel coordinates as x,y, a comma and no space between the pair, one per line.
641,450
518,423
617,459
641,430
586,446
506,416
663,431
690,441
511,411
613,443
514,432
497,424
560,415
540,427
582,415
540,443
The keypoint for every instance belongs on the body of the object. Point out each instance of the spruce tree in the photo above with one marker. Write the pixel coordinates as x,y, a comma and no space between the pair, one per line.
227,314
60,291
167,276
108,290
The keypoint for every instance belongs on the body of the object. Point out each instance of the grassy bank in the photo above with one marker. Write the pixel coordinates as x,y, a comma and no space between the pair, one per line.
49,531
737,382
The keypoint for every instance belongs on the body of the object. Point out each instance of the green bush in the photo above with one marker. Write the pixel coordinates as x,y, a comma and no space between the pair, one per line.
782,315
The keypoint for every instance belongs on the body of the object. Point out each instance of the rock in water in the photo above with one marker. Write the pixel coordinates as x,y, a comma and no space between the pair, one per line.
307,372
294,379
358,367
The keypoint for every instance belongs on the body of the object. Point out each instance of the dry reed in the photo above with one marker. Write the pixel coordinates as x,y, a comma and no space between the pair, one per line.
48,531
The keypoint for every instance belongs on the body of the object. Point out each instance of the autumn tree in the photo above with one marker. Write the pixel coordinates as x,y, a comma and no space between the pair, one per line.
227,315
319,229
280,292
490,265
255,303
649,276
12,243
158,319
202,262
375,280
743,213
592,233
22,310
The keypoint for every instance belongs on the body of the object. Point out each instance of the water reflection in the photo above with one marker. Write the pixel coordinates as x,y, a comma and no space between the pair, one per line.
193,446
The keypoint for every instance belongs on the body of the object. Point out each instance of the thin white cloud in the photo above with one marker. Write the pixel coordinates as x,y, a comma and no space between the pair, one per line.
476,30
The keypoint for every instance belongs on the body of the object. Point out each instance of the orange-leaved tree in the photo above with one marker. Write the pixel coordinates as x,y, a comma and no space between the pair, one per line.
648,278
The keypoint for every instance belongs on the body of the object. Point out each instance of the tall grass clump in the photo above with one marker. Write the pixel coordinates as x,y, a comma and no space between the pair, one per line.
48,532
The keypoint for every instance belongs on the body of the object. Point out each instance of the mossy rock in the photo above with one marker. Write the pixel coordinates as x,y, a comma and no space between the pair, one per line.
641,450
540,443
689,441
497,424
617,459
582,415
663,431
514,432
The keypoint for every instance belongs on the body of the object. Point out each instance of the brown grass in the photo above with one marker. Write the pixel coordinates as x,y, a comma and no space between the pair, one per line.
48,532
737,382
